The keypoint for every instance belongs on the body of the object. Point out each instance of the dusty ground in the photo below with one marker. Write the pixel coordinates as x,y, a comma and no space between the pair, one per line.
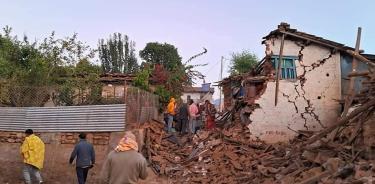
151,179
154,179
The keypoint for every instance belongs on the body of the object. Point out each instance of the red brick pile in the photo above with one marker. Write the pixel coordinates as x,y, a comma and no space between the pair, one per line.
342,153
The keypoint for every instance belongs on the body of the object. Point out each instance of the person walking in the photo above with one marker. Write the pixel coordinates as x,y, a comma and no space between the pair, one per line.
84,154
124,164
193,115
210,113
32,151
171,110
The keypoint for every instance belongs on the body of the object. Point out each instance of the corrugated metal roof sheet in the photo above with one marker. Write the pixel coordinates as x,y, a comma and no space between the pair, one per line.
93,118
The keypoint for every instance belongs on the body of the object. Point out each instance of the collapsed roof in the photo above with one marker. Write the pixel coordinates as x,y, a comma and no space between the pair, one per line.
294,34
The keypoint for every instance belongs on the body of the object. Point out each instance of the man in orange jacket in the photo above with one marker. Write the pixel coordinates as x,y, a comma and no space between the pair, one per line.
171,110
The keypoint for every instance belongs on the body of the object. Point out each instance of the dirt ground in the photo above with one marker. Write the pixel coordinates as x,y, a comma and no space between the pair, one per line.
151,179
154,179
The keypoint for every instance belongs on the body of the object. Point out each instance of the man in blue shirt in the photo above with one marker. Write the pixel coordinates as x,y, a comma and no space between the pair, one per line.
85,158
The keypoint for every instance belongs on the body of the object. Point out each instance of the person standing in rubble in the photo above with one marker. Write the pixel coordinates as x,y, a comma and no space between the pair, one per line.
124,164
32,151
183,118
171,110
210,112
193,115
85,158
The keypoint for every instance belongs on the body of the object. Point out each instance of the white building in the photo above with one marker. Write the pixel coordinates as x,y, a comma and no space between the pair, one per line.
198,94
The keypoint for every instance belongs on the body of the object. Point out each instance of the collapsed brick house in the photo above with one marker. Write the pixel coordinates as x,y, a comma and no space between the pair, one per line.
312,88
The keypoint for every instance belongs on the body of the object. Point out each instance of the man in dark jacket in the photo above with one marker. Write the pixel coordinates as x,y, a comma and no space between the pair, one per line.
85,154
183,115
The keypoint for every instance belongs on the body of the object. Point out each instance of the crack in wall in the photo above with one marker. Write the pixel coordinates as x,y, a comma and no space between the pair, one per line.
321,62
309,109
292,102
301,77
298,94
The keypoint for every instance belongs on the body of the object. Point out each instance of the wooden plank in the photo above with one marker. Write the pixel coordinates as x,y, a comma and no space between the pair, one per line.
358,74
315,178
278,74
358,56
350,52
351,90
311,40
341,122
148,145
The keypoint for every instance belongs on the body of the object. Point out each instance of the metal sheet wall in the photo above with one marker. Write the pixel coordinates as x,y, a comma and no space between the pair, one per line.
93,118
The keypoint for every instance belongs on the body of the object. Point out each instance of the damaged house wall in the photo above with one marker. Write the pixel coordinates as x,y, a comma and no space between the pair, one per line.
310,102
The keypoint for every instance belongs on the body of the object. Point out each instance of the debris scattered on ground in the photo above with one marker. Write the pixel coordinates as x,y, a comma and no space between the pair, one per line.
341,153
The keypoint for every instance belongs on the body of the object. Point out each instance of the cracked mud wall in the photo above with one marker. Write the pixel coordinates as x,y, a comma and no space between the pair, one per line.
308,103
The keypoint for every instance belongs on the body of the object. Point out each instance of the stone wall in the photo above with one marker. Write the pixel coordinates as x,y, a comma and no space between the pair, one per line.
310,103
58,149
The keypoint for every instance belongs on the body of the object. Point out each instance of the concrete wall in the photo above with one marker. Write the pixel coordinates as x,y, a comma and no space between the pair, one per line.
309,105
58,149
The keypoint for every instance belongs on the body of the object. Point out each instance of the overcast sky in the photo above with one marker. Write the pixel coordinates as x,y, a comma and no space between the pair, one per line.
220,26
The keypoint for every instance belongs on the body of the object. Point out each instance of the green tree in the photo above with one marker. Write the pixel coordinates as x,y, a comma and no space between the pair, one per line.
242,62
168,72
164,54
117,54
21,62
27,69
64,52
142,78
85,67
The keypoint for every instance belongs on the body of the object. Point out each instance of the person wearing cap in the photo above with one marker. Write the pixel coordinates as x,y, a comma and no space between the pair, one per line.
32,151
124,164
84,154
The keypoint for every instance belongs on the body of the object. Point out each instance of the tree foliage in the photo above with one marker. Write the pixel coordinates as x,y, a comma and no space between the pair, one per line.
61,69
168,72
28,68
142,78
242,62
117,54
164,54
159,75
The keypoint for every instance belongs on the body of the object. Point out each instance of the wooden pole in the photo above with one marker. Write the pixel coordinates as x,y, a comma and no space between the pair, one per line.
125,103
221,87
139,108
278,73
125,92
351,90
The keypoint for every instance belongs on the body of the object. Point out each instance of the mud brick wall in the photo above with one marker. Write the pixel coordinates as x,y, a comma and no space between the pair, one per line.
58,149
94,138
308,103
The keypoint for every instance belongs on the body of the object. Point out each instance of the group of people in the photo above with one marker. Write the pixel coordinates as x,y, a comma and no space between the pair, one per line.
124,164
187,115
